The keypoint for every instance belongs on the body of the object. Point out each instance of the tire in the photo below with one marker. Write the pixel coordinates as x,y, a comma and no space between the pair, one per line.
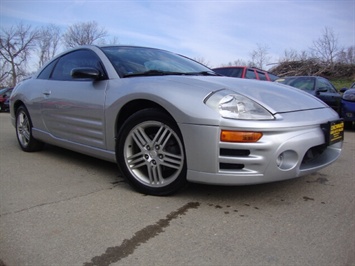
150,153
24,131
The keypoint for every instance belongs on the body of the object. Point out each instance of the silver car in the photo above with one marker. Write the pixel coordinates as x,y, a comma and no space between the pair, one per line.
166,119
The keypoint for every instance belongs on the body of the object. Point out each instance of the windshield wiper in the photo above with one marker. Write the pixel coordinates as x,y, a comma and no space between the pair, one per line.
202,73
153,73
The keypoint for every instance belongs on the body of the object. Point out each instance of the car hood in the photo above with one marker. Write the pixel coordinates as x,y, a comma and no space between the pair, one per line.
276,97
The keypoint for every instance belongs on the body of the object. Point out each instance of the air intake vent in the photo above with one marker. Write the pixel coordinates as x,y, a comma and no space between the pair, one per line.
238,153
230,166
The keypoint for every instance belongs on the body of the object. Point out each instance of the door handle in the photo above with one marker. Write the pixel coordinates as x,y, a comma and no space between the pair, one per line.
47,93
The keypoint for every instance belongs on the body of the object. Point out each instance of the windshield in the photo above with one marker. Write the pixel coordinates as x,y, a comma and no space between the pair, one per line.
139,61
303,83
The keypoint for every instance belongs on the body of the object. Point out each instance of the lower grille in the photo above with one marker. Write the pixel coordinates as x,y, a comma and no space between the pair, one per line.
313,153
230,152
230,166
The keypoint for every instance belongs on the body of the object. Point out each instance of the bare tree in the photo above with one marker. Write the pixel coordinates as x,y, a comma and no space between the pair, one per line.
48,43
202,61
290,55
111,41
83,33
16,45
347,56
238,62
304,55
259,57
326,47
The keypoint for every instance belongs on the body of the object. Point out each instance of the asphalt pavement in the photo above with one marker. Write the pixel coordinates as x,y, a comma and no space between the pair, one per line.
58,207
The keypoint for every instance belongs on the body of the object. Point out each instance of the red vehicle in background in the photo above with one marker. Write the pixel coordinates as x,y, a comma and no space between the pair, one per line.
245,72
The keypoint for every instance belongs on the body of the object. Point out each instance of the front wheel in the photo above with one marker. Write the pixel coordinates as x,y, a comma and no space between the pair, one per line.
24,131
150,153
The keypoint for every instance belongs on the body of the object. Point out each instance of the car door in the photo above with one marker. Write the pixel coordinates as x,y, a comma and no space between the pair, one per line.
73,109
327,93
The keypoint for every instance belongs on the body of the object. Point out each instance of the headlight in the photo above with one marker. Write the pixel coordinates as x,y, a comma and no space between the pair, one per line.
236,106
350,96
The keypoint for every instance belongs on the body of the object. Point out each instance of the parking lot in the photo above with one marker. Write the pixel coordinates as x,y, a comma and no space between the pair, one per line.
58,207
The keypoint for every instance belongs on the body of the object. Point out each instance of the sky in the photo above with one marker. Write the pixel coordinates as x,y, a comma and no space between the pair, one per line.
217,31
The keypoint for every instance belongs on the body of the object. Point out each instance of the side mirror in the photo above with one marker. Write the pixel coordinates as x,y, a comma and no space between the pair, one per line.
342,90
86,73
321,89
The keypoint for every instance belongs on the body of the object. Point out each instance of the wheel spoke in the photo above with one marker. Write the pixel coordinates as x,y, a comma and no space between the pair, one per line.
155,175
140,137
25,133
136,160
162,136
172,160
25,121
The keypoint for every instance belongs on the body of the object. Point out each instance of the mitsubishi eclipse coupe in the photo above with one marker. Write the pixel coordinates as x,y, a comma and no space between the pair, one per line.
166,119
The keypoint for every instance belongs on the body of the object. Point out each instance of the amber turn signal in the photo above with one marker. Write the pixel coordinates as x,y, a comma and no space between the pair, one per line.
240,136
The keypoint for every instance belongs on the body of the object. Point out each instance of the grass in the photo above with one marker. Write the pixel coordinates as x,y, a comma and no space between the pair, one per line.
341,83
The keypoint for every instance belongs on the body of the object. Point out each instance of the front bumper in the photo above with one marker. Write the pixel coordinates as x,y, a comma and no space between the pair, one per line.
279,155
348,112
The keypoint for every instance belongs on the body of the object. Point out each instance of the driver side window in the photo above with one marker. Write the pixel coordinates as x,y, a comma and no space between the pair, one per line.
81,58
324,85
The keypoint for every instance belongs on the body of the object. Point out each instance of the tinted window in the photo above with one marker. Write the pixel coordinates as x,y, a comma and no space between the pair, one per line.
250,74
306,84
262,76
46,73
230,72
80,58
325,84
224,71
236,72
273,77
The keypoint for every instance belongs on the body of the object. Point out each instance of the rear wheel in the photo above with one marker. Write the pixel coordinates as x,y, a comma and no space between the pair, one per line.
150,153
24,131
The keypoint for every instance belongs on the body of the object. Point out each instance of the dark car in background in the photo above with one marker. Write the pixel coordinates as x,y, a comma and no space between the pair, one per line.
245,72
4,96
348,105
317,86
